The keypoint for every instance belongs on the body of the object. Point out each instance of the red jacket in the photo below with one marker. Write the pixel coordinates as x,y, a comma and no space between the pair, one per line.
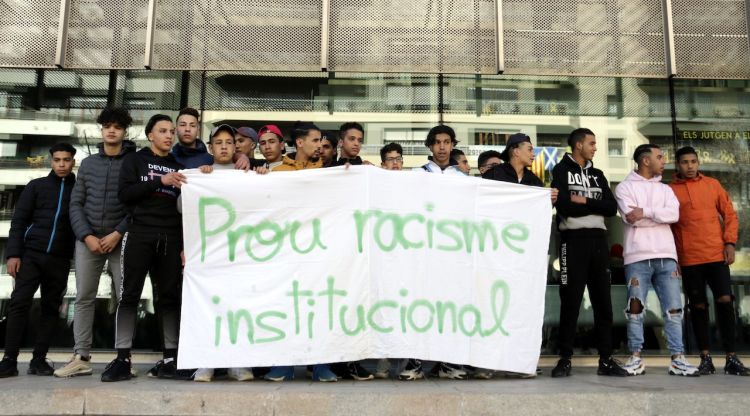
699,234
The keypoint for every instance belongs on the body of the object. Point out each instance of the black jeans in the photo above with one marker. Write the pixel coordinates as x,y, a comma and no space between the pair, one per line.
157,254
37,269
584,261
694,281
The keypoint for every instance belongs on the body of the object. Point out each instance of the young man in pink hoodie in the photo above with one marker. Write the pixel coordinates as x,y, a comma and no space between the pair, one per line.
648,207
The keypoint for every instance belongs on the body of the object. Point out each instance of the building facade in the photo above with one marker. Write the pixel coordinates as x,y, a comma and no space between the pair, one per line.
670,72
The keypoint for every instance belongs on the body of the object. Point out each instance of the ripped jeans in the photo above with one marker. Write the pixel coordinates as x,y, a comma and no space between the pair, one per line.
662,275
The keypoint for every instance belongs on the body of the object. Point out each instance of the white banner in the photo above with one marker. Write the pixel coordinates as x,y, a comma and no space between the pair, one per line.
333,265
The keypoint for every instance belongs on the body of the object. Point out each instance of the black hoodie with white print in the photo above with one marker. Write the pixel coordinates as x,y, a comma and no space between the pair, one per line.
572,179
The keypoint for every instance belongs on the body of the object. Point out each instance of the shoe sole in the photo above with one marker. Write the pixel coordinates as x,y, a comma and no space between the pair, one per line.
275,379
9,375
359,378
115,379
683,374
411,377
88,372
732,373
202,380
637,372
566,373
37,373
443,374
606,373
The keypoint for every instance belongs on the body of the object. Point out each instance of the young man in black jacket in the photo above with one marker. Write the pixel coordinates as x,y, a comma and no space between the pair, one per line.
351,139
149,187
518,157
582,204
40,246
99,222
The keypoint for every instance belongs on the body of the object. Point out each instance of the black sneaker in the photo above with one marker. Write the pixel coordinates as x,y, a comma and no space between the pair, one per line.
154,371
168,368
354,371
40,366
735,367
188,374
611,367
117,370
706,366
562,369
8,367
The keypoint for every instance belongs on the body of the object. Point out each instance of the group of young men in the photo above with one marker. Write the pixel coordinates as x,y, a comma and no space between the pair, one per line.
123,210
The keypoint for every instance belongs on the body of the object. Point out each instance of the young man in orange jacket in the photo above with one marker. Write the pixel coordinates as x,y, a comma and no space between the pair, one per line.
705,249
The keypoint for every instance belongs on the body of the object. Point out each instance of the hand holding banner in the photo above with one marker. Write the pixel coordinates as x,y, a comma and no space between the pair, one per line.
337,264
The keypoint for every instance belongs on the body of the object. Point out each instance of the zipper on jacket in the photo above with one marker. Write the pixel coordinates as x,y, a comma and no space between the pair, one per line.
27,231
106,187
57,215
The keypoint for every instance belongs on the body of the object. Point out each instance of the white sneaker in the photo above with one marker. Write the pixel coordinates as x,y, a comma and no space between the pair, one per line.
635,366
451,371
77,366
680,367
240,374
383,369
204,374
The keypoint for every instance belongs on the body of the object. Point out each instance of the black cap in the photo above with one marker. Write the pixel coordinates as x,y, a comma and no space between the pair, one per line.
514,139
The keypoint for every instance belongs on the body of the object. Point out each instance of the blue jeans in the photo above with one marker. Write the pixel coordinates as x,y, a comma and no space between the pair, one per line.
662,275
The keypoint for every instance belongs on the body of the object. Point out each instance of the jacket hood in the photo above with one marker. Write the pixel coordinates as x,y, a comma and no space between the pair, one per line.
54,176
676,178
146,151
183,151
127,147
452,162
634,176
571,162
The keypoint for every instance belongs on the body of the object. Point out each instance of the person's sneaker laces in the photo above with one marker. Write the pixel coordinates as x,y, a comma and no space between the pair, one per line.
680,367
77,366
562,369
706,366
611,367
635,366
412,371
354,371
117,370
8,367
280,373
451,371
322,372
240,374
735,367
40,366
204,375
383,369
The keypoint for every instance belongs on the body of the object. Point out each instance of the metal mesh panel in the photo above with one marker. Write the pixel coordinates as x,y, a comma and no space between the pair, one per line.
28,33
238,35
584,37
413,36
106,34
711,38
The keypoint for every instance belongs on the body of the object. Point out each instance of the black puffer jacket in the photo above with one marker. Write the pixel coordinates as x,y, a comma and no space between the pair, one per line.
94,206
40,221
